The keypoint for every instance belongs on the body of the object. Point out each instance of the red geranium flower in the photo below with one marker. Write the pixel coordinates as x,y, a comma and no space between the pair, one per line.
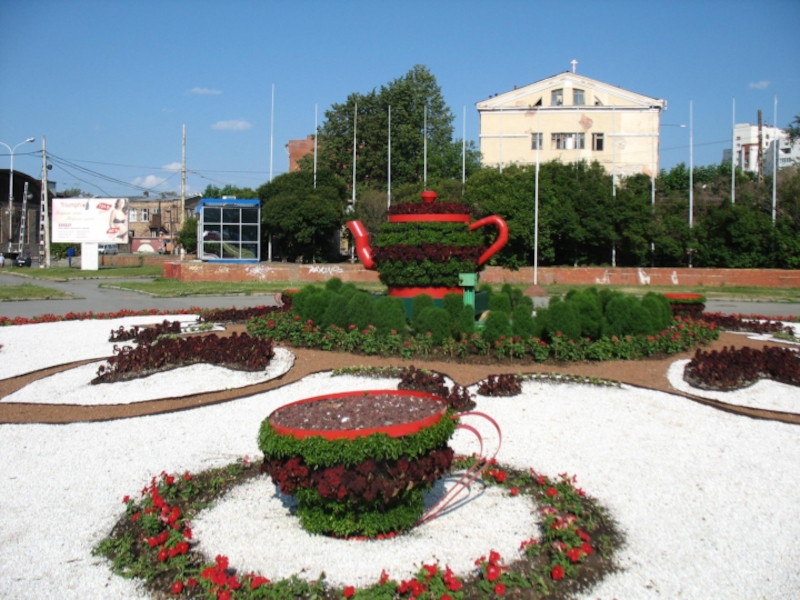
557,572
552,492
176,588
500,589
574,554
349,591
492,572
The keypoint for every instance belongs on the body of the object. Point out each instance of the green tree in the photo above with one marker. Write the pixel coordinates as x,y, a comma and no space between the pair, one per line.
793,129
187,237
302,219
408,97
213,191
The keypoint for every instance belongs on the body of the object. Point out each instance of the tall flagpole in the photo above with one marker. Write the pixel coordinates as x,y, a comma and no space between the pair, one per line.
464,153
733,155
775,141
425,147
271,140
536,207
355,129
315,146
389,161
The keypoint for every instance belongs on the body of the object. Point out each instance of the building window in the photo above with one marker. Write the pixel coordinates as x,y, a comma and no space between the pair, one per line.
557,97
578,98
597,142
536,141
567,141
145,216
133,215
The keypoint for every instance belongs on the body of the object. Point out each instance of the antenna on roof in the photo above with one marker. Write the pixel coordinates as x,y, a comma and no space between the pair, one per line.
574,65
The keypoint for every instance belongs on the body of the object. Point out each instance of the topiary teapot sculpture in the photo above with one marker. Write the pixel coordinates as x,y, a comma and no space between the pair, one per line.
424,246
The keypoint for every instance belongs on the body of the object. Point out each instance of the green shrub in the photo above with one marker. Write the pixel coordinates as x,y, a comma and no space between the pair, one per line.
315,306
360,310
390,314
486,287
420,303
500,302
522,323
466,321
334,284
518,297
348,289
625,315
606,295
436,321
590,312
659,309
336,313
453,303
299,300
563,317
497,325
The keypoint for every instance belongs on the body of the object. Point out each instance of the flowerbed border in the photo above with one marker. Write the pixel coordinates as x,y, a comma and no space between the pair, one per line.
153,541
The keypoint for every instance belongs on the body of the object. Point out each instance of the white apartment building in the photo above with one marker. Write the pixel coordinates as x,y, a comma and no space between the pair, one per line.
745,136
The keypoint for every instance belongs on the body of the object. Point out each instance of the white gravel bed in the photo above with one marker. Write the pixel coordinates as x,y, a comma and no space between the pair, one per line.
73,386
253,528
28,348
704,497
765,393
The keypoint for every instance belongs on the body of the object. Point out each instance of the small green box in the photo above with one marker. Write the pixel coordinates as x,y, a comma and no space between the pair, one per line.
467,279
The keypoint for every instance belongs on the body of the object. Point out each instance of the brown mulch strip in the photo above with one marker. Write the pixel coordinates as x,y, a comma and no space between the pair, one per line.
650,374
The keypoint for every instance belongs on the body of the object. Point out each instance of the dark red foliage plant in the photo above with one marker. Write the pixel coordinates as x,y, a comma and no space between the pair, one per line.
731,369
505,384
240,352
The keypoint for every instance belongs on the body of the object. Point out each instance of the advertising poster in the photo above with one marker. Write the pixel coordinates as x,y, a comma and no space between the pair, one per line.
99,220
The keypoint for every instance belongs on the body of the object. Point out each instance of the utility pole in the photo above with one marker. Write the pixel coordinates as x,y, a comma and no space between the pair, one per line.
44,221
183,180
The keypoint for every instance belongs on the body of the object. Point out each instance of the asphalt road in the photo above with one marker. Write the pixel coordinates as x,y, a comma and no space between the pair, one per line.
89,296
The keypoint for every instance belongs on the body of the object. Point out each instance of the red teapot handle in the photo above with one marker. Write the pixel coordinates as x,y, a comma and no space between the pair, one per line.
502,236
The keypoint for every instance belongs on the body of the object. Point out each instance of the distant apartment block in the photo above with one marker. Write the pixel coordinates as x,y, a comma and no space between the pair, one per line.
746,146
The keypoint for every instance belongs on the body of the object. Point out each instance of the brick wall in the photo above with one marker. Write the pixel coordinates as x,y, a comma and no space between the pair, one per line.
200,271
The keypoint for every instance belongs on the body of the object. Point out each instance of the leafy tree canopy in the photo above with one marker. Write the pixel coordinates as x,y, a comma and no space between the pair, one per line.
212,191
408,97
302,219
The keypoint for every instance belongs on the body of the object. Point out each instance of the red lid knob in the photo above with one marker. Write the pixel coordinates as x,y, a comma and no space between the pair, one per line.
428,196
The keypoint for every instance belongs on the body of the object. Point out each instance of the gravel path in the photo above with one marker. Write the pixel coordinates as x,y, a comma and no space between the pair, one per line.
704,497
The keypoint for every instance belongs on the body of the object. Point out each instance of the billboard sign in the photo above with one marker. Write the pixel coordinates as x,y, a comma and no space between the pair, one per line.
99,220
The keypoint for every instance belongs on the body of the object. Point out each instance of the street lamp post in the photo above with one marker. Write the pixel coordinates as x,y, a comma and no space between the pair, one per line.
11,188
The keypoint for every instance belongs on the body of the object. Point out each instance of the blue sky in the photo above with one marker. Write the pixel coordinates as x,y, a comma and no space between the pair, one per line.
110,83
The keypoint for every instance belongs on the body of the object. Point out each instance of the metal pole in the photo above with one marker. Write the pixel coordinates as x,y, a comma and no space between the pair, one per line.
464,152
315,146
775,140
11,188
44,228
536,208
271,130
355,138
691,168
389,162
691,174
425,146
183,179
733,155
653,189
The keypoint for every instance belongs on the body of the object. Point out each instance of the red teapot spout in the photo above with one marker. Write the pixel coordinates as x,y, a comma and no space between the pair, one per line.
362,243
502,235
